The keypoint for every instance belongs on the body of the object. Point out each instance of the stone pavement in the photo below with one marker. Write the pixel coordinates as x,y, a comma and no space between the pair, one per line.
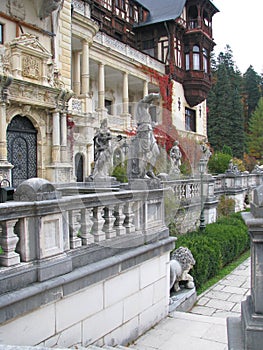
204,327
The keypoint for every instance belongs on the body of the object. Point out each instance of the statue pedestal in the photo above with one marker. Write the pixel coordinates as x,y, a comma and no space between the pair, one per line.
5,170
144,184
103,182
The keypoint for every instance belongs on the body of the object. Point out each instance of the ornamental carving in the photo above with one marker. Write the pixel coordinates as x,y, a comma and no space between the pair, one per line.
29,41
17,9
31,67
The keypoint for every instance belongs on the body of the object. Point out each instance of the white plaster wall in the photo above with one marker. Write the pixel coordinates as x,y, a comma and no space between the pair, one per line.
178,116
115,311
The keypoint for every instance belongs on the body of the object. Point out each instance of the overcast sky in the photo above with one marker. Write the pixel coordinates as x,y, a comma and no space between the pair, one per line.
240,25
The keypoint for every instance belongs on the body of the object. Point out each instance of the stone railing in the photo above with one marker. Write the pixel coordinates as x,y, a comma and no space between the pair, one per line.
49,231
137,56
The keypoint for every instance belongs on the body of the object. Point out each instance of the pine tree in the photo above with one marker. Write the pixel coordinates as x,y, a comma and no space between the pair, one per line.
255,138
251,93
225,117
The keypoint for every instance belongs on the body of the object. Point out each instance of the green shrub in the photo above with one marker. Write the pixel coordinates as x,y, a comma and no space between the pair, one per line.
216,246
226,206
120,172
218,163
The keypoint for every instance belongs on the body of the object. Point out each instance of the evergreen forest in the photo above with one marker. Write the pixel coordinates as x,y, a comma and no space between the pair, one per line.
235,112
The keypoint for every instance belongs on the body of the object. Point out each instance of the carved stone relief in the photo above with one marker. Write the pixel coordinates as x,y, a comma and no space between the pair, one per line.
31,67
17,9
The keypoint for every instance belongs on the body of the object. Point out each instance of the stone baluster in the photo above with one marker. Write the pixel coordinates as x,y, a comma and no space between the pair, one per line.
74,229
119,222
129,218
98,222
8,242
86,226
109,218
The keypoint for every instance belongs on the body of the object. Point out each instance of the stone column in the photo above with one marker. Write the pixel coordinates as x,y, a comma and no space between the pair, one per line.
76,73
63,140
145,88
3,149
85,75
247,333
101,92
5,166
125,93
56,138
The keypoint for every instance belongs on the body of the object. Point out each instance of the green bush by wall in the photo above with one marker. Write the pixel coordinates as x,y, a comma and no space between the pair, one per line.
216,246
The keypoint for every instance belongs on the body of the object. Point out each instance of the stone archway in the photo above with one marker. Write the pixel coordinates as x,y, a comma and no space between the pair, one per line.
22,149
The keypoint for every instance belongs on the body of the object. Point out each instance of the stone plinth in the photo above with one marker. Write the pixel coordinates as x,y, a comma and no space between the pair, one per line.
35,189
251,323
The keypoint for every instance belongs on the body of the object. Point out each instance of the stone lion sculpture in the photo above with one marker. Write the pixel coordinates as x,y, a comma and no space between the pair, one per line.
181,263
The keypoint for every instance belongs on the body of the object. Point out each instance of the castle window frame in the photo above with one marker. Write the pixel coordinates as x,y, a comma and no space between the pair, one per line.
196,57
205,60
190,119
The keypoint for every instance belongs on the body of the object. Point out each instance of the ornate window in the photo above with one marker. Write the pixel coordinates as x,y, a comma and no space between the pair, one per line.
163,46
196,57
206,19
205,60
107,4
192,17
177,53
190,119
187,58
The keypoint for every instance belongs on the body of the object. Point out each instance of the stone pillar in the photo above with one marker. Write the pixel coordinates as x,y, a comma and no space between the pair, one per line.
101,92
3,148
5,166
247,333
85,77
125,94
56,138
63,140
76,76
145,88
85,68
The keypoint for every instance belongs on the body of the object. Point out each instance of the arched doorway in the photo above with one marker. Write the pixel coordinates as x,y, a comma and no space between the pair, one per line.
22,149
79,167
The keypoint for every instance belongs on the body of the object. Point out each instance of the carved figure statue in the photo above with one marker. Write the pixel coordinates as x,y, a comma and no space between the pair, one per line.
181,263
144,149
175,156
205,148
102,151
232,168
257,169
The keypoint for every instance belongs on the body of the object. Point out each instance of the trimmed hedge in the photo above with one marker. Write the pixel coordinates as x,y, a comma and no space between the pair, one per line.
216,246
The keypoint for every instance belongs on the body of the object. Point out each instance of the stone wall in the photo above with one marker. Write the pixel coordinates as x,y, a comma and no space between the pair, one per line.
116,310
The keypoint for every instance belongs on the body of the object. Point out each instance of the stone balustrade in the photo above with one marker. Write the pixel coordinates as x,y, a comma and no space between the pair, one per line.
48,228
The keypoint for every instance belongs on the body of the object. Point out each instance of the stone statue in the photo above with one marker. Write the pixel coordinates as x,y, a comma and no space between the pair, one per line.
102,151
232,168
257,169
180,264
144,149
205,148
175,156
